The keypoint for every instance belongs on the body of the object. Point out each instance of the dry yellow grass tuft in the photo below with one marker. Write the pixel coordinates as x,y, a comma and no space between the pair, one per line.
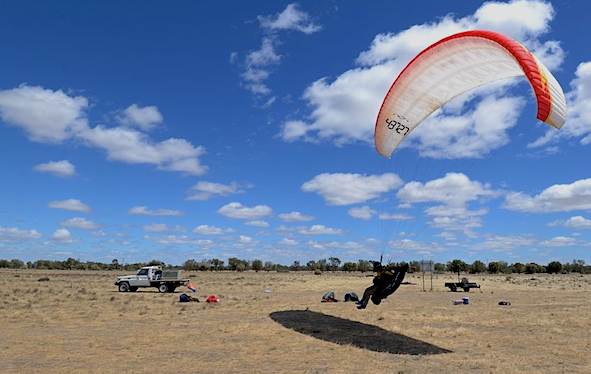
78,322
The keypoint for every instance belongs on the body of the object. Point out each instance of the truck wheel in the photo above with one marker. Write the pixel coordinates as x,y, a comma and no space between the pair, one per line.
124,287
171,289
466,289
163,288
133,289
453,288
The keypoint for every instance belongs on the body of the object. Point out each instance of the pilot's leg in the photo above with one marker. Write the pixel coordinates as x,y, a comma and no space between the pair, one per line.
361,304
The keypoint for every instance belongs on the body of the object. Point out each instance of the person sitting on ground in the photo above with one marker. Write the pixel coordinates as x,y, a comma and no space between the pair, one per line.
329,297
386,281
184,298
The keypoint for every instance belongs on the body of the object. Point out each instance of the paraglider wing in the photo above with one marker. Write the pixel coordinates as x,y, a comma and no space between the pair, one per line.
454,65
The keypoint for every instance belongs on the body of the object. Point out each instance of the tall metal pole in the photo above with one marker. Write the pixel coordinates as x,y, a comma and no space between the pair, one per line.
423,280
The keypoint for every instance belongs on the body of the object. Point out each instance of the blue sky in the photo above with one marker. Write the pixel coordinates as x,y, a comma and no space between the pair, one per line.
138,130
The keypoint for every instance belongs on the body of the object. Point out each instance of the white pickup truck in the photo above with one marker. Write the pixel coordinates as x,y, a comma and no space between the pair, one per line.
151,276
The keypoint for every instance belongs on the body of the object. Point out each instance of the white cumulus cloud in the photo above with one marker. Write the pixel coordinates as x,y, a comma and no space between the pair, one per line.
73,205
145,211
556,198
258,63
134,147
14,235
50,116
239,211
291,18
348,188
257,67
156,227
295,217
456,218
320,230
578,222
559,241
288,241
245,239
362,212
162,227
206,190
257,223
413,245
46,116
394,217
452,193
80,223
208,230
62,236
63,168
145,118
454,189
506,242
173,240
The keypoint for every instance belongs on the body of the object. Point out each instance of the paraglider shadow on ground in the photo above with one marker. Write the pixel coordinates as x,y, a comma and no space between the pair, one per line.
346,332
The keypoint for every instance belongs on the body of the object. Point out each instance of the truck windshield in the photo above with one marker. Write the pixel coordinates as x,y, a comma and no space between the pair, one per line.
143,272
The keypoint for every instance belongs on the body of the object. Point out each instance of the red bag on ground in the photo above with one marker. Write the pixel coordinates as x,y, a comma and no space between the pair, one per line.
212,299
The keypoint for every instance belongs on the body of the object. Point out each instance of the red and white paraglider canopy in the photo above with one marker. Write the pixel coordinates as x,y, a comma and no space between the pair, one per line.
454,65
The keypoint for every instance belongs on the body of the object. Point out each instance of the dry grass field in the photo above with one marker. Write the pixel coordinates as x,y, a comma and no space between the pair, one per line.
78,322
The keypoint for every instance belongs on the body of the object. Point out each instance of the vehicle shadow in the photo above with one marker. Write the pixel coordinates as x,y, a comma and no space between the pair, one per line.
346,332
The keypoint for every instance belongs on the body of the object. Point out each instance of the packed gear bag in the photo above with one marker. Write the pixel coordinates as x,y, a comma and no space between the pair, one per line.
351,296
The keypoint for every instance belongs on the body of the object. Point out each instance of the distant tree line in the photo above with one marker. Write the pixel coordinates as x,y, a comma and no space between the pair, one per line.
74,264
322,265
502,267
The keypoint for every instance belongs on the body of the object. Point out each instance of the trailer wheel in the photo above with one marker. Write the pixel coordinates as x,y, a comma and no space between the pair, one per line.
124,287
163,288
466,289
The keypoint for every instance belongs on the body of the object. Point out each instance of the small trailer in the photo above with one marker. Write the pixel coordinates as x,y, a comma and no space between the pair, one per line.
151,276
464,285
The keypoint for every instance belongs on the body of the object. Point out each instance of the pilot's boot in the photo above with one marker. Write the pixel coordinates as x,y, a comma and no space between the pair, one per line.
361,304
